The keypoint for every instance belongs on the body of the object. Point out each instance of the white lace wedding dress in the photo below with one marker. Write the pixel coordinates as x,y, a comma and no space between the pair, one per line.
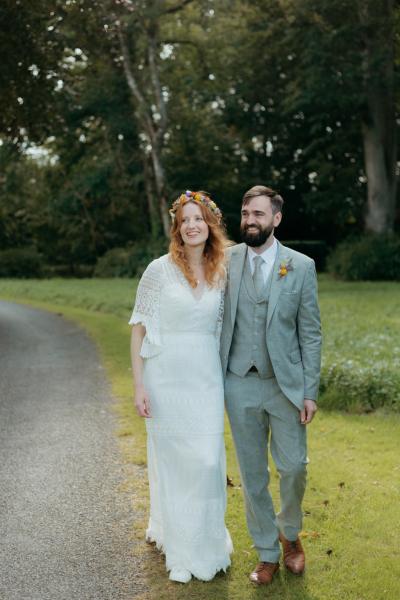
185,445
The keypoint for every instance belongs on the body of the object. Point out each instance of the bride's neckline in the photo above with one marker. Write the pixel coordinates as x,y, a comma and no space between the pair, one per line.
192,291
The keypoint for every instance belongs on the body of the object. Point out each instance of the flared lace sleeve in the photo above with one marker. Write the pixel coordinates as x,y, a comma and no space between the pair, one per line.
147,308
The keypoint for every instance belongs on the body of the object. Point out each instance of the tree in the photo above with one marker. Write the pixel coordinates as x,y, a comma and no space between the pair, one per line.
138,28
331,66
31,50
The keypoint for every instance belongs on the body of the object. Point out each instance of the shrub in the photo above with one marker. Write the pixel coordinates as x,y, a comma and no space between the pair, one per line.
68,271
114,263
128,262
23,263
372,257
349,385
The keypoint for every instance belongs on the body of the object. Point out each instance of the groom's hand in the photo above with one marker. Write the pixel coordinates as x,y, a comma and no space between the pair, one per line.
308,412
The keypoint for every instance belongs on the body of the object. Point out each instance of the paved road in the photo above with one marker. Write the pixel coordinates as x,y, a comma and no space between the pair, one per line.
65,527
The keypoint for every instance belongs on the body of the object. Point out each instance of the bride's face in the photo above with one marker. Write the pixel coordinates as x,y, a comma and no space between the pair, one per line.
194,229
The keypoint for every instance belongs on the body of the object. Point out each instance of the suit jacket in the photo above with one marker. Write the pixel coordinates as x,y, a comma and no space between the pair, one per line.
293,329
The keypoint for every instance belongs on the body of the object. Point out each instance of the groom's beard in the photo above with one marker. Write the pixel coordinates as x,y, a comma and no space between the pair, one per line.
255,238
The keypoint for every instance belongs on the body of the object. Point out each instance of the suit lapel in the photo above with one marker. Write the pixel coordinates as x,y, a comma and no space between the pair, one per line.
238,257
277,282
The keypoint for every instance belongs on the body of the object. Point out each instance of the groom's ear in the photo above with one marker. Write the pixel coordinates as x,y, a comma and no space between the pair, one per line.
277,218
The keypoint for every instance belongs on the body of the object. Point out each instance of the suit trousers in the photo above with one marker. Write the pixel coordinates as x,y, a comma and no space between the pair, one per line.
261,415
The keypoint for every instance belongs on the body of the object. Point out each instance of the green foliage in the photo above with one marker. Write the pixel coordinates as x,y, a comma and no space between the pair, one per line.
130,261
281,104
31,48
24,263
141,254
113,263
348,385
372,257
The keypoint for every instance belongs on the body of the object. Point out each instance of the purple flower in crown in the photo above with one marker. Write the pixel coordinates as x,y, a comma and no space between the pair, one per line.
188,193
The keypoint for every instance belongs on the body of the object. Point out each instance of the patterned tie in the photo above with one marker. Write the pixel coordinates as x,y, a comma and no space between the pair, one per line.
258,278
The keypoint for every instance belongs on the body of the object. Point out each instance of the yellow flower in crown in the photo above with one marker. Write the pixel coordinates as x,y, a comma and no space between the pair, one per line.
200,199
285,267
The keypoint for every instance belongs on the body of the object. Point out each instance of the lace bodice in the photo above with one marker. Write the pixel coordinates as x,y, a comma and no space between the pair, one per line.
165,304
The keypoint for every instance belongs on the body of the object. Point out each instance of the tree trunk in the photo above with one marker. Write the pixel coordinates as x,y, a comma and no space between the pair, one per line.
380,170
154,129
159,178
379,126
155,223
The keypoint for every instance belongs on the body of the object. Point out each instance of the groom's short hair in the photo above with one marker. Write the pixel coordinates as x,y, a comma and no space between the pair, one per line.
262,190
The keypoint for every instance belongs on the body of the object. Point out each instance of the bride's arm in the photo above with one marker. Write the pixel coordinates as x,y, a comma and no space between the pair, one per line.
142,401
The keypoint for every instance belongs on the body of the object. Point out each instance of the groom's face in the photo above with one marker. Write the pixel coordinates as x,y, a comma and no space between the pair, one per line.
258,221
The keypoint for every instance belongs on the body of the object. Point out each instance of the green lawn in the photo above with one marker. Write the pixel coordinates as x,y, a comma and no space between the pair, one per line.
361,350
352,503
361,326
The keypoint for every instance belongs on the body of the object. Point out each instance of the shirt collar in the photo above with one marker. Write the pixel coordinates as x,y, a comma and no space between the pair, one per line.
268,255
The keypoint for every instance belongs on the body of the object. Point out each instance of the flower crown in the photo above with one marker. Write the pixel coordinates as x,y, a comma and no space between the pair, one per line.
198,197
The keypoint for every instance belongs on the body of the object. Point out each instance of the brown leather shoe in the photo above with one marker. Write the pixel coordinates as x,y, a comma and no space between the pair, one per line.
293,555
264,572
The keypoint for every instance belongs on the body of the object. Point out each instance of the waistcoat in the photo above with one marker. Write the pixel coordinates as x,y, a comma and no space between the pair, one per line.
249,347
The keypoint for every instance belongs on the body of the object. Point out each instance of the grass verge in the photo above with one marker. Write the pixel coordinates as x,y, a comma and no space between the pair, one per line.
352,503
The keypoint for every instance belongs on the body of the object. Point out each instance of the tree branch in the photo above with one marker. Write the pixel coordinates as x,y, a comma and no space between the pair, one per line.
156,85
133,85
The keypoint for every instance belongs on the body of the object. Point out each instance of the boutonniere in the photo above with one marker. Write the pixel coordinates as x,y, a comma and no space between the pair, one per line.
285,267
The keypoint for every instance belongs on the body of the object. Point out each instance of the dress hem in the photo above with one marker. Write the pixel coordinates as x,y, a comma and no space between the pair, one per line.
221,565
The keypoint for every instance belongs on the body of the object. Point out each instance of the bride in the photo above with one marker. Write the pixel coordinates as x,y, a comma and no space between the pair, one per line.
179,390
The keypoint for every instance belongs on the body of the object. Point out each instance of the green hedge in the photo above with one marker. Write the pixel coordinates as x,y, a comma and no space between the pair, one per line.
349,385
128,262
372,257
23,263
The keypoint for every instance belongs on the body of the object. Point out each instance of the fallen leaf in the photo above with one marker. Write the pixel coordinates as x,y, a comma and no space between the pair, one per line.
309,534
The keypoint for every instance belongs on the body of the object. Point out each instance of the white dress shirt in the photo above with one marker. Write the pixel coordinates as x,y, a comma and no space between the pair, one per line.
268,257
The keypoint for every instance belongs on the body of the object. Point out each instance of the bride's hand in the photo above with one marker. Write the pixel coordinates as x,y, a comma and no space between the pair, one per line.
142,402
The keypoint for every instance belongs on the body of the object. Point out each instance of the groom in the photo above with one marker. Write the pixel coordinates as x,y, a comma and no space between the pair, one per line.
270,352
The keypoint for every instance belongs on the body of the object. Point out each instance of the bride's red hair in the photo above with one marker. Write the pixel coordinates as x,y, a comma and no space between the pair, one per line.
214,255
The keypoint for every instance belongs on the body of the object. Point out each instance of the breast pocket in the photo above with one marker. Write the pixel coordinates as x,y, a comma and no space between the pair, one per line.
288,303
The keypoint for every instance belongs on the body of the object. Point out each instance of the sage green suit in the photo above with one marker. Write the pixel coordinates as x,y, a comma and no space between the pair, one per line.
265,411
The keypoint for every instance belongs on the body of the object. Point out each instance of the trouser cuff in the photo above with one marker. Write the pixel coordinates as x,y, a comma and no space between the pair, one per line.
290,533
268,555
